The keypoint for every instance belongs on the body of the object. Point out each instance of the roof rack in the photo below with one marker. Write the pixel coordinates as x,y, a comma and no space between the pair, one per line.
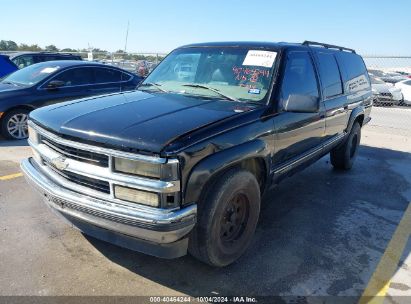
328,46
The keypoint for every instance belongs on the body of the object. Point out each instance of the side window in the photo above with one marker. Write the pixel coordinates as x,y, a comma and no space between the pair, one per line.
329,74
354,72
353,65
23,61
106,75
51,58
299,77
76,76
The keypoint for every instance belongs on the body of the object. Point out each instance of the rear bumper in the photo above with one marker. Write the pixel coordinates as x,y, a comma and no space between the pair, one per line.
161,233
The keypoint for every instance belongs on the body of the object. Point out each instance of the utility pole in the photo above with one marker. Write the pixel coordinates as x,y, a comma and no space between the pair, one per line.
125,46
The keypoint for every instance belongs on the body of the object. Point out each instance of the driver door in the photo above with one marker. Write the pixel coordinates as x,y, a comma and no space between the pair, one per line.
297,134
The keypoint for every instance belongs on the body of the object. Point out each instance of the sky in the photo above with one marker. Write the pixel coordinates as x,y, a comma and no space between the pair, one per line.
371,27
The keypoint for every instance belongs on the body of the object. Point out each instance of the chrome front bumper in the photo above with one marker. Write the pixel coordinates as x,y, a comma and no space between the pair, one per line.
152,225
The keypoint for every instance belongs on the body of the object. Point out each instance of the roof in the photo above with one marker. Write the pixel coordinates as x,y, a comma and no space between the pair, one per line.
271,45
253,44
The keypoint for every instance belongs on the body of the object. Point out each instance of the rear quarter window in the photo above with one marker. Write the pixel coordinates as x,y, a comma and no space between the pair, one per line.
107,75
354,72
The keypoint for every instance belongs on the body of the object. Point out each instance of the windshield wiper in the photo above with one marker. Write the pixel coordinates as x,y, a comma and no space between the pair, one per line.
194,85
8,82
152,84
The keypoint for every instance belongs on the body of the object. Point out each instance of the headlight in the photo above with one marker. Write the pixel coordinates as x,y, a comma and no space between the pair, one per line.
167,171
34,138
33,135
136,196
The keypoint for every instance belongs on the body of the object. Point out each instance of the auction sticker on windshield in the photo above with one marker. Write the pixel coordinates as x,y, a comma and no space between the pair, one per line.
260,58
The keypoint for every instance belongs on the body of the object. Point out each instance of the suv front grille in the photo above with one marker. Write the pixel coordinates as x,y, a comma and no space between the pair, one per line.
82,167
78,154
95,184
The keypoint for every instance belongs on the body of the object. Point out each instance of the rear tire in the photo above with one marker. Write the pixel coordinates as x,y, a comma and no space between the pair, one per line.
343,156
14,124
227,219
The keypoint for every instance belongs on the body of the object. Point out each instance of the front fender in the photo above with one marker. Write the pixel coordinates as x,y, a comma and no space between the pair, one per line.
220,161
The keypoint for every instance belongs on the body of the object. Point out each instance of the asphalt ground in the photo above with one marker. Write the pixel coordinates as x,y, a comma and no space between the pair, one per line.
320,233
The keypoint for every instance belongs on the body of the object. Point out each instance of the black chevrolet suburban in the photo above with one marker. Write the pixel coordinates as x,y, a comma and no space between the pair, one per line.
181,163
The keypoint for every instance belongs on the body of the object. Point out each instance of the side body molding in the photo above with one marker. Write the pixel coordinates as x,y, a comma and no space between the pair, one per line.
222,160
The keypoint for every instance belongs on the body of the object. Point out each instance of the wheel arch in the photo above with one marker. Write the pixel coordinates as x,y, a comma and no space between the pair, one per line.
25,107
357,115
9,110
252,156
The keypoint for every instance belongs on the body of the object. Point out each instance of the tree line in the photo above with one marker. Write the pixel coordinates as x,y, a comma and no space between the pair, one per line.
9,45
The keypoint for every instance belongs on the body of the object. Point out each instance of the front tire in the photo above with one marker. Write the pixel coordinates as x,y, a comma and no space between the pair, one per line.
343,156
227,219
14,124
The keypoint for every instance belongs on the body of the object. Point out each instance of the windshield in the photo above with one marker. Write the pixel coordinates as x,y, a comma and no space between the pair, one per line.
236,74
31,75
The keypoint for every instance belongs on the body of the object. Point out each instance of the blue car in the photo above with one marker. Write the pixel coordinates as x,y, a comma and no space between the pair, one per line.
52,82
6,66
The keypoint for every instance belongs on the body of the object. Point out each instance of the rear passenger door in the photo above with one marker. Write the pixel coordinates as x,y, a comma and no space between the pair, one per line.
335,102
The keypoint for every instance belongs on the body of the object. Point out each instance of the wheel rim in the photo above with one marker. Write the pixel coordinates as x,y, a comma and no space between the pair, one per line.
353,146
17,126
234,220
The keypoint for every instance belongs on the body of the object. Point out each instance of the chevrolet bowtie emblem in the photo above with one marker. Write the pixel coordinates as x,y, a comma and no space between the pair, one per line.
59,163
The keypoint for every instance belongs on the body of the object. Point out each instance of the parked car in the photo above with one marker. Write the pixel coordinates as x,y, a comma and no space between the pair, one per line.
393,77
6,66
389,77
129,66
376,73
51,82
405,87
385,94
178,165
24,59
142,68
408,75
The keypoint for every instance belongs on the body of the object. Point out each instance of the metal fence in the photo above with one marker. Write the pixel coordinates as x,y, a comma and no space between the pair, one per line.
391,85
390,79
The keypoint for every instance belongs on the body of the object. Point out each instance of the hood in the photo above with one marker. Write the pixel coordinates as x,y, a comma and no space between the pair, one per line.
7,87
137,120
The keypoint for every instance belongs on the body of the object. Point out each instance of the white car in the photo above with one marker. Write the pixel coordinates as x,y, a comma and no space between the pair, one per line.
385,93
405,87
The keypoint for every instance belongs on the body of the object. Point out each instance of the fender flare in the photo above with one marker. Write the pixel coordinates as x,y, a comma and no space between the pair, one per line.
353,117
220,161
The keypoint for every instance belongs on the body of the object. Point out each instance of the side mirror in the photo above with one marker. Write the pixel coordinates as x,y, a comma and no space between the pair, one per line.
302,104
55,84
